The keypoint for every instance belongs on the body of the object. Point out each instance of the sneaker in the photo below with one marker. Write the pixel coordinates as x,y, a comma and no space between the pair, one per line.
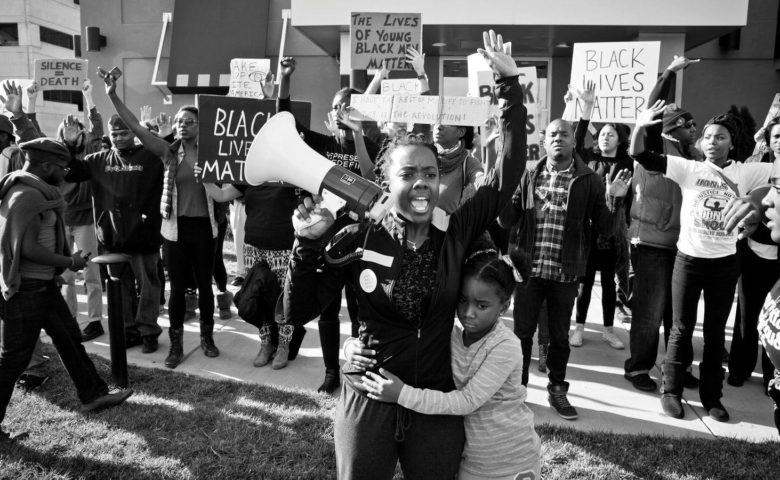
264,355
282,356
543,358
612,340
735,380
92,331
642,382
107,401
717,411
150,344
575,339
29,382
672,405
331,382
237,282
690,381
558,401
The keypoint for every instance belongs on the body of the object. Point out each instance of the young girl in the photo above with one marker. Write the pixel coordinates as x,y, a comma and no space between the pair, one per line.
487,369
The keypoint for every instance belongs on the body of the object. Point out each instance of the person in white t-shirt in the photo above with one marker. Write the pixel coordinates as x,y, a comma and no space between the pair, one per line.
707,260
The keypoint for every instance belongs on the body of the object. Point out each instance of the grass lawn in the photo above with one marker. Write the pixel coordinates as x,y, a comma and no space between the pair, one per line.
182,427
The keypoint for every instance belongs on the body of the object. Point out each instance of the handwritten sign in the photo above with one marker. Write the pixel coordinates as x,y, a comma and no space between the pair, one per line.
227,127
416,109
774,111
247,76
383,37
624,73
375,108
464,110
401,86
60,73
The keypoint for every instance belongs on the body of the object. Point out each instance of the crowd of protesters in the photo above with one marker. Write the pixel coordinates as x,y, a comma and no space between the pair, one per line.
469,229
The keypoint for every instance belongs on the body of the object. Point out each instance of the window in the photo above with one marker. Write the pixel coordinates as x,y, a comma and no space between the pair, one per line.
9,34
65,96
55,37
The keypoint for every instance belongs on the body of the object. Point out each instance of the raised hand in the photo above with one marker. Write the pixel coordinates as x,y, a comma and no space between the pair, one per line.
343,120
108,79
416,60
164,125
647,118
13,98
619,187
680,62
383,72
497,55
330,123
71,129
146,114
32,92
288,66
267,85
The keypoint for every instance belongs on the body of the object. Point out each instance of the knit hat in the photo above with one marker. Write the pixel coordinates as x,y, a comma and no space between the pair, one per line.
675,117
116,123
6,125
728,122
46,148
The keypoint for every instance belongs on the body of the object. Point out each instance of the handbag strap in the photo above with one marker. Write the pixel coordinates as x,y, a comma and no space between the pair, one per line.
726,179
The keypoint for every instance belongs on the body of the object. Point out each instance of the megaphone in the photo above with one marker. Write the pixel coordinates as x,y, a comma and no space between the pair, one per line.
278,153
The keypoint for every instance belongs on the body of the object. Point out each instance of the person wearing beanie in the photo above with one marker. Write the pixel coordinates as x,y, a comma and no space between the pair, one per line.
33,252
707,260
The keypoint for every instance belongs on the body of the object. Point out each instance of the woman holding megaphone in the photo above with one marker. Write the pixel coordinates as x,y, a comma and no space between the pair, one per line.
407,283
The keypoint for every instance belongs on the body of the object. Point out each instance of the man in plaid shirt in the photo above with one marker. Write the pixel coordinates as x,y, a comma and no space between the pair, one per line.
553,209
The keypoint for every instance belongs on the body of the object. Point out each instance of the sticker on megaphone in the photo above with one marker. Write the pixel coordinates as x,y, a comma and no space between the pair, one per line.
330,202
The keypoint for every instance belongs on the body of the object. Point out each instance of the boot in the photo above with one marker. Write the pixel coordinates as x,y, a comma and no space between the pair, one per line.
176,353
282,356
207,340
264,355
224,300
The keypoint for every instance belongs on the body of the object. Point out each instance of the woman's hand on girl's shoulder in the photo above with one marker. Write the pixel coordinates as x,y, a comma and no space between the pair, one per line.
384,388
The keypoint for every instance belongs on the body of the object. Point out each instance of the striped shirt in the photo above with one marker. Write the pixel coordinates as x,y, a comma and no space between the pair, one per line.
551,197
500,435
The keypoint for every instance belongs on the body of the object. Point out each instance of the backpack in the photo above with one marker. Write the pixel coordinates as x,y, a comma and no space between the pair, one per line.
256,300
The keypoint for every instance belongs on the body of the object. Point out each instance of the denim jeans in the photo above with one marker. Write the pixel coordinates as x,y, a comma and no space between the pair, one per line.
560,302
83,238
717,279
141,295
39,304
758,277
652,305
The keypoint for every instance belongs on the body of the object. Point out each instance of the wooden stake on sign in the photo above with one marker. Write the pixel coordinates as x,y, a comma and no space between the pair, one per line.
286,15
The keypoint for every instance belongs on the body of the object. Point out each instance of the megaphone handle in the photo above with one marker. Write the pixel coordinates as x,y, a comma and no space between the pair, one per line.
300,225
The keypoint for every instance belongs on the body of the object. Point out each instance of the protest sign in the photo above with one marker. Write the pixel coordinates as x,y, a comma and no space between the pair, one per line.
401,86
375,108
247,76
464,111
383,37
774,111
416,109
624,73
60,73
227,126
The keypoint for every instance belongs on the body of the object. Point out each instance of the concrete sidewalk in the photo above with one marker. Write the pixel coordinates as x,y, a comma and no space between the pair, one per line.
604,399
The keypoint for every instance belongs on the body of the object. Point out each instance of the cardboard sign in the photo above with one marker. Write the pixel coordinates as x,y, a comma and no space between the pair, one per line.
60,73
374,108
401,86
464,111
379,37
416,109
247,75
774,111
227,126
625,74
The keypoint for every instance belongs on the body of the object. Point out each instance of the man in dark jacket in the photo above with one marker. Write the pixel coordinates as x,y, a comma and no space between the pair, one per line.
552,212
127,185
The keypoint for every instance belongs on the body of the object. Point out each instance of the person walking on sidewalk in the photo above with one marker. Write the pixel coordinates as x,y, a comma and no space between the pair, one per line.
34,250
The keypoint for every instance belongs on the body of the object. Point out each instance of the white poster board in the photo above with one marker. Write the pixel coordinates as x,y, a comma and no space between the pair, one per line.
401,86
375,108
624,72
377,38
60,73
247,76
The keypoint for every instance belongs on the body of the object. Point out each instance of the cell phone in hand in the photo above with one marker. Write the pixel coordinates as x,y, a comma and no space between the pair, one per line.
116,73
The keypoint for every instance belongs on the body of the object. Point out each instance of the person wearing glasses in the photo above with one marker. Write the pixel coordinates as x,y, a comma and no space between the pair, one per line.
188,226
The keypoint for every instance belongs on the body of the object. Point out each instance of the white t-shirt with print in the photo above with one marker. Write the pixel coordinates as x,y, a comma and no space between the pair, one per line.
704,199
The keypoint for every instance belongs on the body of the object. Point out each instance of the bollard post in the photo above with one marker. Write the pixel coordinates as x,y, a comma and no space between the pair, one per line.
116,263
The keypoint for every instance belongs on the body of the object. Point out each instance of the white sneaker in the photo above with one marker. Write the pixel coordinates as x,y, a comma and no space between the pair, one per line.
575,339
612,340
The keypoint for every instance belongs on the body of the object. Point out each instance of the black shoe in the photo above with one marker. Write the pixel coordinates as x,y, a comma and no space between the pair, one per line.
690,381
29,382
735,380
150,344
107,401
208,347
642,382
237,282
133,341
672,405
331,382
558,401
92,331
717,411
